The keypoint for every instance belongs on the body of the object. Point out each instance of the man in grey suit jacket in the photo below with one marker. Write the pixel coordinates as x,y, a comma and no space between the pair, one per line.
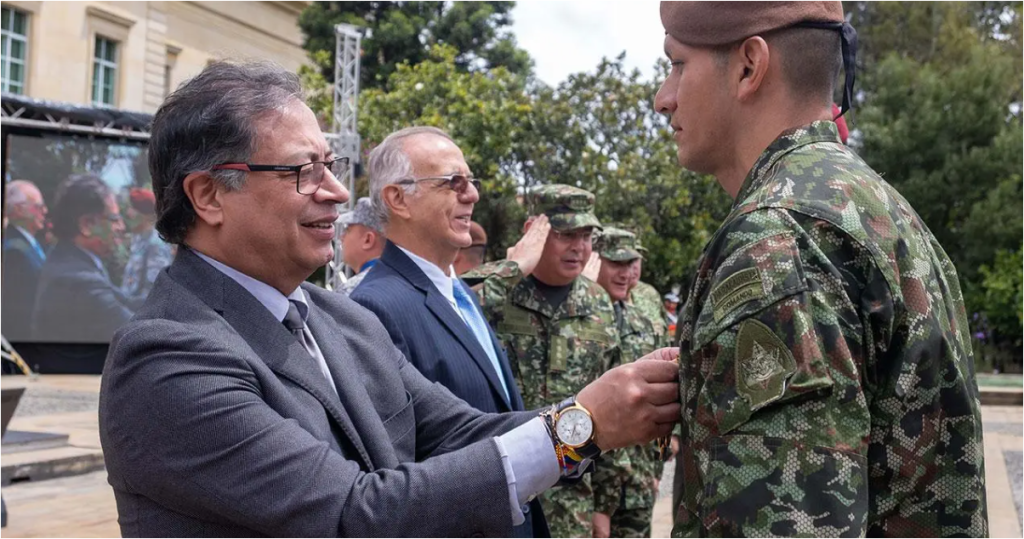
241,402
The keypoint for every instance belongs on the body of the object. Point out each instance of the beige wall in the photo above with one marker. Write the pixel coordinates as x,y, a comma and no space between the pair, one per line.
152,34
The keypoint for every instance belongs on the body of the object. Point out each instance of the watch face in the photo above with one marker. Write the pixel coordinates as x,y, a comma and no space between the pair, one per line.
574,427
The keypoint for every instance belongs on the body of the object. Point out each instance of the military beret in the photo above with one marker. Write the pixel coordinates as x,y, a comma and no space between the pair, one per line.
721,23
617,245
567,207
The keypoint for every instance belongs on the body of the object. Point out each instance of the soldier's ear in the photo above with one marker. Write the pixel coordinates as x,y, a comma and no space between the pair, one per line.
754,58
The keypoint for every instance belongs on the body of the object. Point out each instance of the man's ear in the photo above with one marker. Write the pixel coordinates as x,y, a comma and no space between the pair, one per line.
369,239
753,57
206,194
396,200
85,224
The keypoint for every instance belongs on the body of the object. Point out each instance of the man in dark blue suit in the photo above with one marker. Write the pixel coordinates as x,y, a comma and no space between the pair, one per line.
424,191
23,256
78,308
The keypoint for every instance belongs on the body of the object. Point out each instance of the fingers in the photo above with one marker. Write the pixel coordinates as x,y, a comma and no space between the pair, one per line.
657,371
666,415
663,354
661,393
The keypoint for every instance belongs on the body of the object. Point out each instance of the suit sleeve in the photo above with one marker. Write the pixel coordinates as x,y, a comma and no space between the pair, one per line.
194,433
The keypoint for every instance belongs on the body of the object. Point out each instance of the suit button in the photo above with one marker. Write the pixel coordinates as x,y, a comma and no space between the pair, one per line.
526,509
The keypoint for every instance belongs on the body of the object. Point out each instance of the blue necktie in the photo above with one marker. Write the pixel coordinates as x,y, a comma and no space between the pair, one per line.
479,328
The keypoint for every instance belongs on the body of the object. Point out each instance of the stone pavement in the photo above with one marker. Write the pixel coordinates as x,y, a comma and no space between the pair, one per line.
83,505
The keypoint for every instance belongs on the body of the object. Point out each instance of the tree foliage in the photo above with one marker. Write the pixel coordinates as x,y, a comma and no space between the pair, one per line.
397,32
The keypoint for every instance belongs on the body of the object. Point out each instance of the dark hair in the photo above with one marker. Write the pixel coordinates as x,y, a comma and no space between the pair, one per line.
77,196
810,58
209,120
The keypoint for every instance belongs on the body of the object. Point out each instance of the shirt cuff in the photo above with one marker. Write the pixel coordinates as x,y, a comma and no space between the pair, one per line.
531,467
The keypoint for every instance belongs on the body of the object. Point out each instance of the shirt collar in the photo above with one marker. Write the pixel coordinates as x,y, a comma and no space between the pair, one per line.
820,131
369,264
95,259
444,284
29,237
270,297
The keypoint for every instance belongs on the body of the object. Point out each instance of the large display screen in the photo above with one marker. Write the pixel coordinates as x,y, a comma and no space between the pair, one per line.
80,252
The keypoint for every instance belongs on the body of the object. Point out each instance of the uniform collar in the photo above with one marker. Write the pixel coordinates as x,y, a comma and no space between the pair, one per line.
820,131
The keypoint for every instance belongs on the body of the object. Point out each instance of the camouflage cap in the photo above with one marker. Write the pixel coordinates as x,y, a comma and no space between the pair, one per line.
567,207
720,23
617,245
362,214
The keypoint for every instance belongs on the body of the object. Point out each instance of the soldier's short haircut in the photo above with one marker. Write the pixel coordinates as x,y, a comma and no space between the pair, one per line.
810,57
388,163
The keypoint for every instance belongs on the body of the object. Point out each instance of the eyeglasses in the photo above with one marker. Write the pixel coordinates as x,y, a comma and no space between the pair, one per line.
308,176
582,234
456,182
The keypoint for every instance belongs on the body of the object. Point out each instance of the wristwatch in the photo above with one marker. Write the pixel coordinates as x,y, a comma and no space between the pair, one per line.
572,428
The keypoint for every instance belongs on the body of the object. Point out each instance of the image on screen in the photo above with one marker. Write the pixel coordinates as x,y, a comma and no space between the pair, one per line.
80,252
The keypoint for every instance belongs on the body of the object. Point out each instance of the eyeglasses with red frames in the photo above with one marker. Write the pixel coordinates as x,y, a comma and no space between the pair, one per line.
308,176
456,182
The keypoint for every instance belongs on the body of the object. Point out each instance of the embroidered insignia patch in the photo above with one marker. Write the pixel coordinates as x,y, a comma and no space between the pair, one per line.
743,286
763,364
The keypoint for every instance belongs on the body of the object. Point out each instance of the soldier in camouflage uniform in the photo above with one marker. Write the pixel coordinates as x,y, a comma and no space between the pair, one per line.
827,378
557,327
628,478
647,298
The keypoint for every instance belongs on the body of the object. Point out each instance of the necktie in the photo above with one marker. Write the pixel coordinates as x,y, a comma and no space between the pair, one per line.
296,324
478,326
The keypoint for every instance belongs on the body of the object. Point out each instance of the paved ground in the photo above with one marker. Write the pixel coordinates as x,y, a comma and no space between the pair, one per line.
83,505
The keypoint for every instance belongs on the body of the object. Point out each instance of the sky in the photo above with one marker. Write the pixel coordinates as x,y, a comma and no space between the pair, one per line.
571,36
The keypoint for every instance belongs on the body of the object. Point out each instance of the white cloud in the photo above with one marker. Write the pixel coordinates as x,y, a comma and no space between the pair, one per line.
566,37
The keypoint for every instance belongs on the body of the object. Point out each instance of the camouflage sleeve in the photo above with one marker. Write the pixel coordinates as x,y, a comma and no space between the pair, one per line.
779,344
610,476
493,282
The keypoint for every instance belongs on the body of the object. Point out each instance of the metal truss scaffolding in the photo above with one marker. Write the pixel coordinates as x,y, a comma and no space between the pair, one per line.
345,140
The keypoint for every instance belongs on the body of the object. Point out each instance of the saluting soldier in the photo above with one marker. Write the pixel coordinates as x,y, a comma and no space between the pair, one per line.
557,326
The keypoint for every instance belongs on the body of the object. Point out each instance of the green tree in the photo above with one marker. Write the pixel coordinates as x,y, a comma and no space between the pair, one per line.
1003,290
482,111
397,32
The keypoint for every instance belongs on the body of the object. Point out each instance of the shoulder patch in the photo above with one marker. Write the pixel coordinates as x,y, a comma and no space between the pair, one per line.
763,364
743,286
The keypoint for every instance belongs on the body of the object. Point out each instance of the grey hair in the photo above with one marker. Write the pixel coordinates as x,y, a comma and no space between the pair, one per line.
15,194
209,120
388,163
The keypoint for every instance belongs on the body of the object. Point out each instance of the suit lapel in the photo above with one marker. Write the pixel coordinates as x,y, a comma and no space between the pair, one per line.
269,339
355,399
439,306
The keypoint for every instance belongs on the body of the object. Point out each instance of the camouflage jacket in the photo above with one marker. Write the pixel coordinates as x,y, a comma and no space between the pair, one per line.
553,351
648,300
826,373
628,475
